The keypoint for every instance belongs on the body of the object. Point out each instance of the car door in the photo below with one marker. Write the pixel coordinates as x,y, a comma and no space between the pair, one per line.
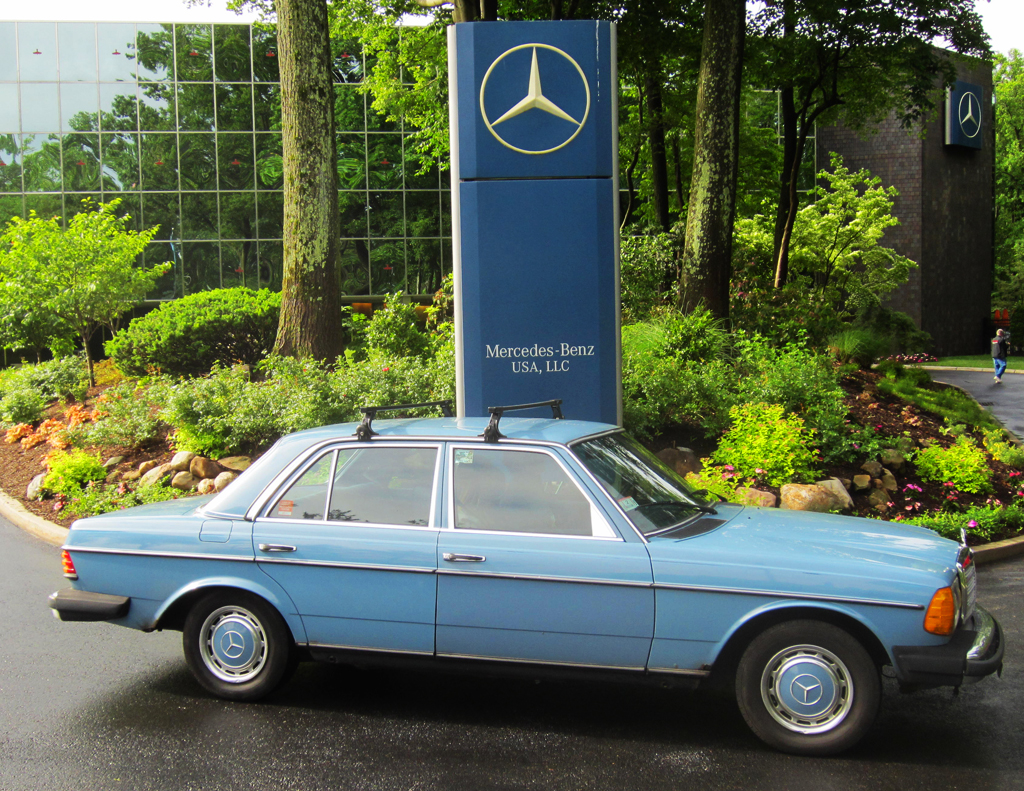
530,569
352,538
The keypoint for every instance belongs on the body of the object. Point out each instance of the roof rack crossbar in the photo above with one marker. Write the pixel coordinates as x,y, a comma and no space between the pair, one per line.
365,429
492,434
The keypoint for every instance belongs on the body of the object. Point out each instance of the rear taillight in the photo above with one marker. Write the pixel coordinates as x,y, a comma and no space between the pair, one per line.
69,565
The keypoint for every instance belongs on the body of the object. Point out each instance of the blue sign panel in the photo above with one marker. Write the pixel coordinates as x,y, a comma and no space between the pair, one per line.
964,120
534,205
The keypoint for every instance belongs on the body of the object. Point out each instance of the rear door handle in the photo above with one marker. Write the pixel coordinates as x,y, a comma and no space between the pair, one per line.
277,548
451,557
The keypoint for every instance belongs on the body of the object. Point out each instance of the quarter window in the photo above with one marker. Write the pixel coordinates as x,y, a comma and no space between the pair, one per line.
306,498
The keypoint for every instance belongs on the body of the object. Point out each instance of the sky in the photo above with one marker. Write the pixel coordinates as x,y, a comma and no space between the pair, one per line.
1004,19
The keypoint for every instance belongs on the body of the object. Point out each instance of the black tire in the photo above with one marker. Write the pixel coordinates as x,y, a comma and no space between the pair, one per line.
237,645
808,688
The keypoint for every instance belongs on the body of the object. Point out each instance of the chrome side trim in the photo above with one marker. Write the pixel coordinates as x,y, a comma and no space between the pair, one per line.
680,671
788,595
598,435
156,554
369,650
638,669
340,565
542,578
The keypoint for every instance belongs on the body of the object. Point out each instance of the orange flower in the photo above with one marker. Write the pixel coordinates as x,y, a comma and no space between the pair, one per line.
17,432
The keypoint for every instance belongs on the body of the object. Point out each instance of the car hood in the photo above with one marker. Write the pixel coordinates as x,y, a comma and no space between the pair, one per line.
796,551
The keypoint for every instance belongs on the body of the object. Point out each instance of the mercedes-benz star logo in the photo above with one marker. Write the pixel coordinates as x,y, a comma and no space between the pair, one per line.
534,100
232,644
806,689
970,114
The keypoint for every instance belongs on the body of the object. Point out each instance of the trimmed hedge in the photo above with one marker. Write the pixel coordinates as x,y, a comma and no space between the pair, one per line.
188,336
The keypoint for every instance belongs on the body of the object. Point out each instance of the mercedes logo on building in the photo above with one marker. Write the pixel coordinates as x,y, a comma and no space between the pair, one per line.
970,114
534,100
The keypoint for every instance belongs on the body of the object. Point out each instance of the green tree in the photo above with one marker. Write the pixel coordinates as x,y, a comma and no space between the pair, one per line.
1009,175
83,276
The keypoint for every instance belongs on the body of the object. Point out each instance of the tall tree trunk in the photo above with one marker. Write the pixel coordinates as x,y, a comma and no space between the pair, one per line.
310,311
792,154
707,250
656,138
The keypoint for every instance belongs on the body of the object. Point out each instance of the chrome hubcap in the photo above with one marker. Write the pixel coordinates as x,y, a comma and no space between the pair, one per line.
807,689
233,644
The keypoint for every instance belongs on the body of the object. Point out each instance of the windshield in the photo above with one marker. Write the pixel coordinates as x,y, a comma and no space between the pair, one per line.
653,496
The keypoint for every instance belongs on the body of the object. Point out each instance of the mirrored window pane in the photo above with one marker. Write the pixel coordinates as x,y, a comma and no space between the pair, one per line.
387,267
384,160
155,50
238,263
46,206
270,213
354,264
77,42
349,109
37,51
79,107
120,154
157,107
266,108
423,213
423,265
116,48
348,61
234,108
264,56
8,52
198,162
159,159
231,53
195,107
387,215
81,162
11,205
161,208
79,203
170,285
10,165
271,256
352,212
199,215
201,263
236,163
351,149
129,207
238,215
195,53
40,107
10,116
269,162
41,162
119,107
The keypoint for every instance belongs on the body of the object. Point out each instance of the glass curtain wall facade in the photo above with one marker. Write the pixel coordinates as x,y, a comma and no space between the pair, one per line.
182,124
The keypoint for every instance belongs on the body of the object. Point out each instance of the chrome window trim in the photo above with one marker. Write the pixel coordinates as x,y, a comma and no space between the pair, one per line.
535,447
598,435
160,554
341,565
543,578
274,520
788,595
330,483
263,498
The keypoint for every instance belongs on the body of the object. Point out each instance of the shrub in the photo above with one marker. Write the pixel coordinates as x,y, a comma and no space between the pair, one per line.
1001,450
983,522
395,329
125,418
382,379
188,336
963,464
719,480
647,265
98,498
63,378
767,444
70,471
22,404
856,346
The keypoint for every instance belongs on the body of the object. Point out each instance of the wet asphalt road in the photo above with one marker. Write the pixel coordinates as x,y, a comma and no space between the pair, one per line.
1004,400
90,707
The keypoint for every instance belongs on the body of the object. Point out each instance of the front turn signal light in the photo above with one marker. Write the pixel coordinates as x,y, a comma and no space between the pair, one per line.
68,564
941,615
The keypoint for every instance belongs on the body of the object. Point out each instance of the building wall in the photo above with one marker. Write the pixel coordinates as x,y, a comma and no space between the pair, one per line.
182,124
945,208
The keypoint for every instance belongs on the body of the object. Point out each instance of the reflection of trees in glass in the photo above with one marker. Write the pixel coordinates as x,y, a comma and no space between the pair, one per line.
194,50
159,162
195,107
198,162
40,158
264,55
120,157
81,153
234,108
155,52
157,101
231,52
10,170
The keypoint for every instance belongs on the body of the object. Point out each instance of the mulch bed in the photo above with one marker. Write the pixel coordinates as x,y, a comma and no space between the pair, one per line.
867,406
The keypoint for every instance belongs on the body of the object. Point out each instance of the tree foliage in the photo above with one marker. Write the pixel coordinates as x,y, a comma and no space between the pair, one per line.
1009,89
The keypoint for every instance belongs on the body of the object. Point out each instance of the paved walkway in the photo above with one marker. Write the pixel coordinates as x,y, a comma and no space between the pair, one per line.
1005,400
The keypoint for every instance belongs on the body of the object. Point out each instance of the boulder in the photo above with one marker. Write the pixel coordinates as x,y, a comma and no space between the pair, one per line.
35,487
201,467
235,463
131,475
861,482
879,500
184,480
748,496
156,475
872,468
146,466
112,462
207,486
841,500
889,481
805,497
892,459
682,460
221,481
181,460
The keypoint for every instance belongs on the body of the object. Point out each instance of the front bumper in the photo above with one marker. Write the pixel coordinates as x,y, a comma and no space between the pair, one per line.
974,651
69,604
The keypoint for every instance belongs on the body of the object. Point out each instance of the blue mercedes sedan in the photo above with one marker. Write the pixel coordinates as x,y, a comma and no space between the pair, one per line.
539,546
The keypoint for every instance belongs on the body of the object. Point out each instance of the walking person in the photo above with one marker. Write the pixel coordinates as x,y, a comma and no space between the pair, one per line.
1000,348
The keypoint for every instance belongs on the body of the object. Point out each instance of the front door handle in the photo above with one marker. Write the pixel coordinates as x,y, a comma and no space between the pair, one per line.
277,548
451,557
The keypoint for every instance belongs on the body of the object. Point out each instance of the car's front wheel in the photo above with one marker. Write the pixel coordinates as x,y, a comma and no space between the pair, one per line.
236,645
808,687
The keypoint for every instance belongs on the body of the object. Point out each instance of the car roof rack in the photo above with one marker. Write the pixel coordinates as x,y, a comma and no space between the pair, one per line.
492,434
365,429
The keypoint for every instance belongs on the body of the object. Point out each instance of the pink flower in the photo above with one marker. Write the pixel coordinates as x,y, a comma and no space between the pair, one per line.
972,523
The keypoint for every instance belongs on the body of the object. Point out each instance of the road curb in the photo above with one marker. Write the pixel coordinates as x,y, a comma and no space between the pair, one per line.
18,515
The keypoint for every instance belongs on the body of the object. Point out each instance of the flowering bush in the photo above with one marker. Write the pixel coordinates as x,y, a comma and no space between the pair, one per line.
764,438
963,465
912,359
721,480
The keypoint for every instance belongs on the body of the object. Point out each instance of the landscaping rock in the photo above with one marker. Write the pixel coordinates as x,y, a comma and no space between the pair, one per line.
146,466
35,487
181,460
889,481
805,497
235,463
872,468
879,500
892,459
861,482
847,483
156,475
756,497
207,486
131,475
112,462
222,480
841,499
204,468
185,481
682,460
876,483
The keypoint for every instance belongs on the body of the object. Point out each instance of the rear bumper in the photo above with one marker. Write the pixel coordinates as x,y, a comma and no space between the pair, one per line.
974,651
75,605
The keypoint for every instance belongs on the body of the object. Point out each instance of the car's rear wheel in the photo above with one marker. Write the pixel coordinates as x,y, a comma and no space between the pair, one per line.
808,688
237,645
